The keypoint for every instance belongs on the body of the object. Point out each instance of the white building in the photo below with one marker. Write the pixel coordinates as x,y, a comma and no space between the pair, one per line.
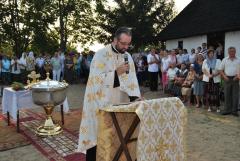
205,21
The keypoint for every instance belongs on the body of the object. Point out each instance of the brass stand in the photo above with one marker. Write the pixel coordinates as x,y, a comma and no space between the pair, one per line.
49,128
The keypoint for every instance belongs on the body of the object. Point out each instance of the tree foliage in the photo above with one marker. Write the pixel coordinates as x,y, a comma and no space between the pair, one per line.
46,25
77,22
146,18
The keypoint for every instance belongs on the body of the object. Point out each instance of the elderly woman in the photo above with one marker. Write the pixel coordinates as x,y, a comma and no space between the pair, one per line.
171,74
211,77
198,89
179,79
187,84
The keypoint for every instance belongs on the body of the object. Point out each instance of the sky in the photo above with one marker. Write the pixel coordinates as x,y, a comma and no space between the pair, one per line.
180,5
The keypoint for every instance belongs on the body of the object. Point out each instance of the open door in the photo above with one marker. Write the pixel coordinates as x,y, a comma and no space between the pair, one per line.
214,39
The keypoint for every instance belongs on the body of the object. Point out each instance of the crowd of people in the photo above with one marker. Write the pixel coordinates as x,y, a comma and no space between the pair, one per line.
202,77
72,67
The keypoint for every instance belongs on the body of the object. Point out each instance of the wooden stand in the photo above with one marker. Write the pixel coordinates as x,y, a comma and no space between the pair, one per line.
124,140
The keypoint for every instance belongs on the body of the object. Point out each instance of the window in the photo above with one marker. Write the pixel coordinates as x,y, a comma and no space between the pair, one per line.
180,44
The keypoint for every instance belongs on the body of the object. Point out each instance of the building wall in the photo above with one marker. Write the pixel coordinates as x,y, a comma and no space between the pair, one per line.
232,39
188,43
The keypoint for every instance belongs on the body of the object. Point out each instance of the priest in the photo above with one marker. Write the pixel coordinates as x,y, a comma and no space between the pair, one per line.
112,80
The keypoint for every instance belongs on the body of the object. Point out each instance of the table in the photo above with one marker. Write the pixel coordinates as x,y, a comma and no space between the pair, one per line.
157,124
13,101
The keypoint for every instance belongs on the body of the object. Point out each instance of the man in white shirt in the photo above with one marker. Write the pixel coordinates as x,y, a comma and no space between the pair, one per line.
192,57
185,56
180,58
229,71
56,66
153,69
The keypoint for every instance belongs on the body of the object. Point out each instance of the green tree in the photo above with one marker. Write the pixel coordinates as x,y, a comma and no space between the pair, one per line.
146,18
24,23
10,25
45,25
76,22
39,18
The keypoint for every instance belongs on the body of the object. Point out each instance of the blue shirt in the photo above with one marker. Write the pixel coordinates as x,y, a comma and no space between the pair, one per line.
6,65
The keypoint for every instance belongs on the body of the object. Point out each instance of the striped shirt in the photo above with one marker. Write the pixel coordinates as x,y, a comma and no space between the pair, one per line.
204,52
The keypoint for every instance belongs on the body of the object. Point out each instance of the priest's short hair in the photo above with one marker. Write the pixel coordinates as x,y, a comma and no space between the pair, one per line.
123,30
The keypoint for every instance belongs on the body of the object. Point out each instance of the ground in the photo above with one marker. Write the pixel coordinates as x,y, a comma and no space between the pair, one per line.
208,136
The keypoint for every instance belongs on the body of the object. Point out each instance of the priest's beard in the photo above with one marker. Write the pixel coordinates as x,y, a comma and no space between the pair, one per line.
120,50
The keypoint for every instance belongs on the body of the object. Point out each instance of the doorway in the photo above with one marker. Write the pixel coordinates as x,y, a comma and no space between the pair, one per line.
217,40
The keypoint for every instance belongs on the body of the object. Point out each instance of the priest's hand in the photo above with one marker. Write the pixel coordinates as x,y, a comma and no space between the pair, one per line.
122,69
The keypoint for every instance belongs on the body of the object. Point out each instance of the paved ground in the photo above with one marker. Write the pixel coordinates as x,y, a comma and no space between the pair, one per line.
209,136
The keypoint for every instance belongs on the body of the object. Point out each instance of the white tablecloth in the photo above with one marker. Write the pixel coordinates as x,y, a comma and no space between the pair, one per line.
14,100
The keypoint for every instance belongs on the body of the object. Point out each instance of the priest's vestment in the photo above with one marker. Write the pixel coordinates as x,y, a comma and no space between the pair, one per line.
100,91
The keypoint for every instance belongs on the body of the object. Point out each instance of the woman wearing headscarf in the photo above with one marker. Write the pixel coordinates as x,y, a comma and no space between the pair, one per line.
164,68
198,89
30,62
211,77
